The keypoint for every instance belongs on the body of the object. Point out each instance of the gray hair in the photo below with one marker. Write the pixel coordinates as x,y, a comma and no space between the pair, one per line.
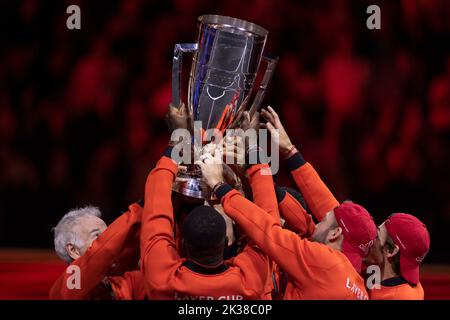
64,230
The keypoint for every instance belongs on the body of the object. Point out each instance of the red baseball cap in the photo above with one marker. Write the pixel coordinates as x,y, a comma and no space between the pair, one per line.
413,240
359,231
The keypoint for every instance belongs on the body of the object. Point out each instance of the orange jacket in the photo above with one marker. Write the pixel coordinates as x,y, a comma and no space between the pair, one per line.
130,286
398,291
297,219
315,270
318,197
168,276
115,246
261,182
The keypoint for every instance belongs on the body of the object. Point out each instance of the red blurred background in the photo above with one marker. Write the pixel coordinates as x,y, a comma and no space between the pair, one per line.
81,111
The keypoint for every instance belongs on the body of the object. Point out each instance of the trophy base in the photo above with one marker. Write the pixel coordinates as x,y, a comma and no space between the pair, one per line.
192,187
191,184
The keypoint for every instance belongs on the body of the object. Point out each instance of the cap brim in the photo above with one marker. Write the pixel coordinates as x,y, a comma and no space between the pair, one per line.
409,270
353,255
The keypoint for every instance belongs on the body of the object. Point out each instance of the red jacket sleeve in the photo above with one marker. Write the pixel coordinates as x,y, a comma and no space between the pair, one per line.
297,219
128,259
130,286
159,257
97,261
319,198
298,257
261,183
252,260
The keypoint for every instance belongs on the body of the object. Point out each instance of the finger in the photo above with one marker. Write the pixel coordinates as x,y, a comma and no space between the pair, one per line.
255,117
268,116
247,116
273,112
209,148
208,161
173,110
265,113
182,109
270,127
275,117
205,156
200,164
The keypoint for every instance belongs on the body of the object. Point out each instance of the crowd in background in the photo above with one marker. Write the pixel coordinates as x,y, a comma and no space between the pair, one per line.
81,111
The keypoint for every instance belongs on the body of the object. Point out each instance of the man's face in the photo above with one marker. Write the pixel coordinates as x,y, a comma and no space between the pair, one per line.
376,255
323,228
88,229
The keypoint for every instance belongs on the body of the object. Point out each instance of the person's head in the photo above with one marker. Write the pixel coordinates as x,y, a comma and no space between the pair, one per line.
204,235
328,231
403,242
76,231
349,228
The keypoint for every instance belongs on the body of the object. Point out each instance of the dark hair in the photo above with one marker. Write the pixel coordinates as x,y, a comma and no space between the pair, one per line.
204,232
390,245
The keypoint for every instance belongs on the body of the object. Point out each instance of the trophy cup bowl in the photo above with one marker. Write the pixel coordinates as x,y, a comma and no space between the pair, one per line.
225,64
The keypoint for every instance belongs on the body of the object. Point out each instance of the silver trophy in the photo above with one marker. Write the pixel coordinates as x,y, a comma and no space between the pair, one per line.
224,67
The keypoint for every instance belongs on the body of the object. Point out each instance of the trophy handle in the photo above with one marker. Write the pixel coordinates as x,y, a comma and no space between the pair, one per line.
177,67
271,64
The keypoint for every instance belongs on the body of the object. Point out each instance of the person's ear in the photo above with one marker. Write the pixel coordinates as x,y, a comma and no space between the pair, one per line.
73,251
392,253
334,234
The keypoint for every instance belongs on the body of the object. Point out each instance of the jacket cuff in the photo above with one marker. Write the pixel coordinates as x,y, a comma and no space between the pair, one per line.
222,191
296,161
168,151
280,193
168,163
